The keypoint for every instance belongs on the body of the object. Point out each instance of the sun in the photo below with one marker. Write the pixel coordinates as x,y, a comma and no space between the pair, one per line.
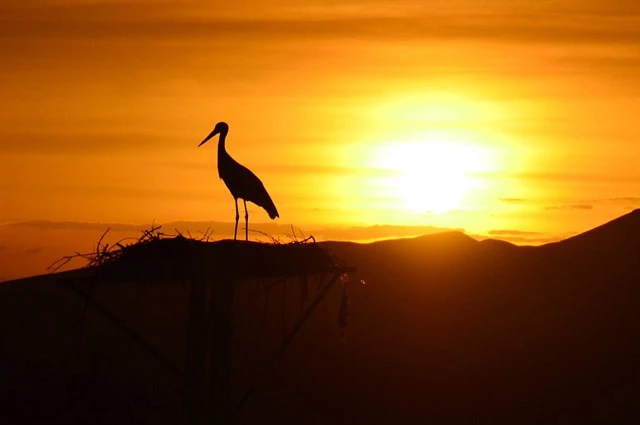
433,174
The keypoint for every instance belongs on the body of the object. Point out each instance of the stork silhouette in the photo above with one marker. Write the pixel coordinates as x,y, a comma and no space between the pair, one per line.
240,181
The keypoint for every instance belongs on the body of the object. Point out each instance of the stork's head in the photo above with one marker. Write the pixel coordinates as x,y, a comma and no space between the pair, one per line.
220,128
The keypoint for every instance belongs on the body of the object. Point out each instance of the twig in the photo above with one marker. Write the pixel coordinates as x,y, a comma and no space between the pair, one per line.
274,240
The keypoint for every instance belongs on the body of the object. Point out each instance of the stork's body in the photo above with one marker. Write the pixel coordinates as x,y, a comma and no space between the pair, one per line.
240,181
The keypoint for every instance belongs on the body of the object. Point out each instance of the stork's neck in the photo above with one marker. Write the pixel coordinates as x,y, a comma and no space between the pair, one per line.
221,147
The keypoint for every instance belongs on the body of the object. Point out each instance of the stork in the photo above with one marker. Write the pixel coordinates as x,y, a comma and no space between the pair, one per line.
240,181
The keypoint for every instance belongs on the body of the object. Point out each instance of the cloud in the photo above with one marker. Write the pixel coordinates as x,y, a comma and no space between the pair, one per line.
619,63
627,8
512,200
366,233
561,177
166,20
522,240
620,200
296,169
501,232
220,230
521,237
589,205
571,207
73,141
36,250
73,225
352,233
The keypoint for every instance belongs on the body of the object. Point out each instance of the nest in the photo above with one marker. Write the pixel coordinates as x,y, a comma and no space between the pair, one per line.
157,256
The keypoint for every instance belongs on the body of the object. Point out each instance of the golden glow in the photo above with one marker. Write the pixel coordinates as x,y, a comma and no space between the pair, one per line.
440,108
434,173
443,142
349,114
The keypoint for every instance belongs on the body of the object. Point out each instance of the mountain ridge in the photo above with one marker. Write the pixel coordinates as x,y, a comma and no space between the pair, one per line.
622,232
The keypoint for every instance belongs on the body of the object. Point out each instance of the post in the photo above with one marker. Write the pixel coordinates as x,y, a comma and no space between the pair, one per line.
220,377
195,385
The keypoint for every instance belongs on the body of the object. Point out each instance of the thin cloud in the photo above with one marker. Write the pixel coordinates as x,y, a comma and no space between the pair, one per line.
224,229
607,63
523,240
620,200
129,192
295,169
100,141
561,177
379,232
353,233
506,232
73,225
521,237
512,200
163,21
571,207
626,202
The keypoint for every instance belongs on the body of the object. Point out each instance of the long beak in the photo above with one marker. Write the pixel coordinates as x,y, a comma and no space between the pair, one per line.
213,133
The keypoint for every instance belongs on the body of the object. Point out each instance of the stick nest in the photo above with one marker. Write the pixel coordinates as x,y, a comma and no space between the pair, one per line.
157,256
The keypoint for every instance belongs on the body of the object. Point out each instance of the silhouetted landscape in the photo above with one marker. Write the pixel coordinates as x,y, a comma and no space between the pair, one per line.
441,329
320,212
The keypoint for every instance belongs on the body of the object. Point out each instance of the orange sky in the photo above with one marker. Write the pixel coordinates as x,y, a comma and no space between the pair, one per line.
491,116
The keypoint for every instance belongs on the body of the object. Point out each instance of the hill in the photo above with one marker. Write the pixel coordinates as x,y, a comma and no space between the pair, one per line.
446,330
620,233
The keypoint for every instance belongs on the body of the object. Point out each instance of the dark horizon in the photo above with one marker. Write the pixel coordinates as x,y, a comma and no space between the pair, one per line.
439,328
35,261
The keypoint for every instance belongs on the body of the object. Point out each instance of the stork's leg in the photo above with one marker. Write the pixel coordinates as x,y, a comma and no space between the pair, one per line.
235,232
246,222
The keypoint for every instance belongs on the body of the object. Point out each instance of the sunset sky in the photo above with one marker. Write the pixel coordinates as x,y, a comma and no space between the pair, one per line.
504,118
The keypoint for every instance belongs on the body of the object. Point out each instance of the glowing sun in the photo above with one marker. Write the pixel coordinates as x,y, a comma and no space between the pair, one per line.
433,174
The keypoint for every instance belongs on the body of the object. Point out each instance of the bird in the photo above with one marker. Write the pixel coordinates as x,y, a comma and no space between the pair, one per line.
240,181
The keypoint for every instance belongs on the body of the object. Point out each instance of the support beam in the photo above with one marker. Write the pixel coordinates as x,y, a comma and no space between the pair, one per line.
196,394
221,332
